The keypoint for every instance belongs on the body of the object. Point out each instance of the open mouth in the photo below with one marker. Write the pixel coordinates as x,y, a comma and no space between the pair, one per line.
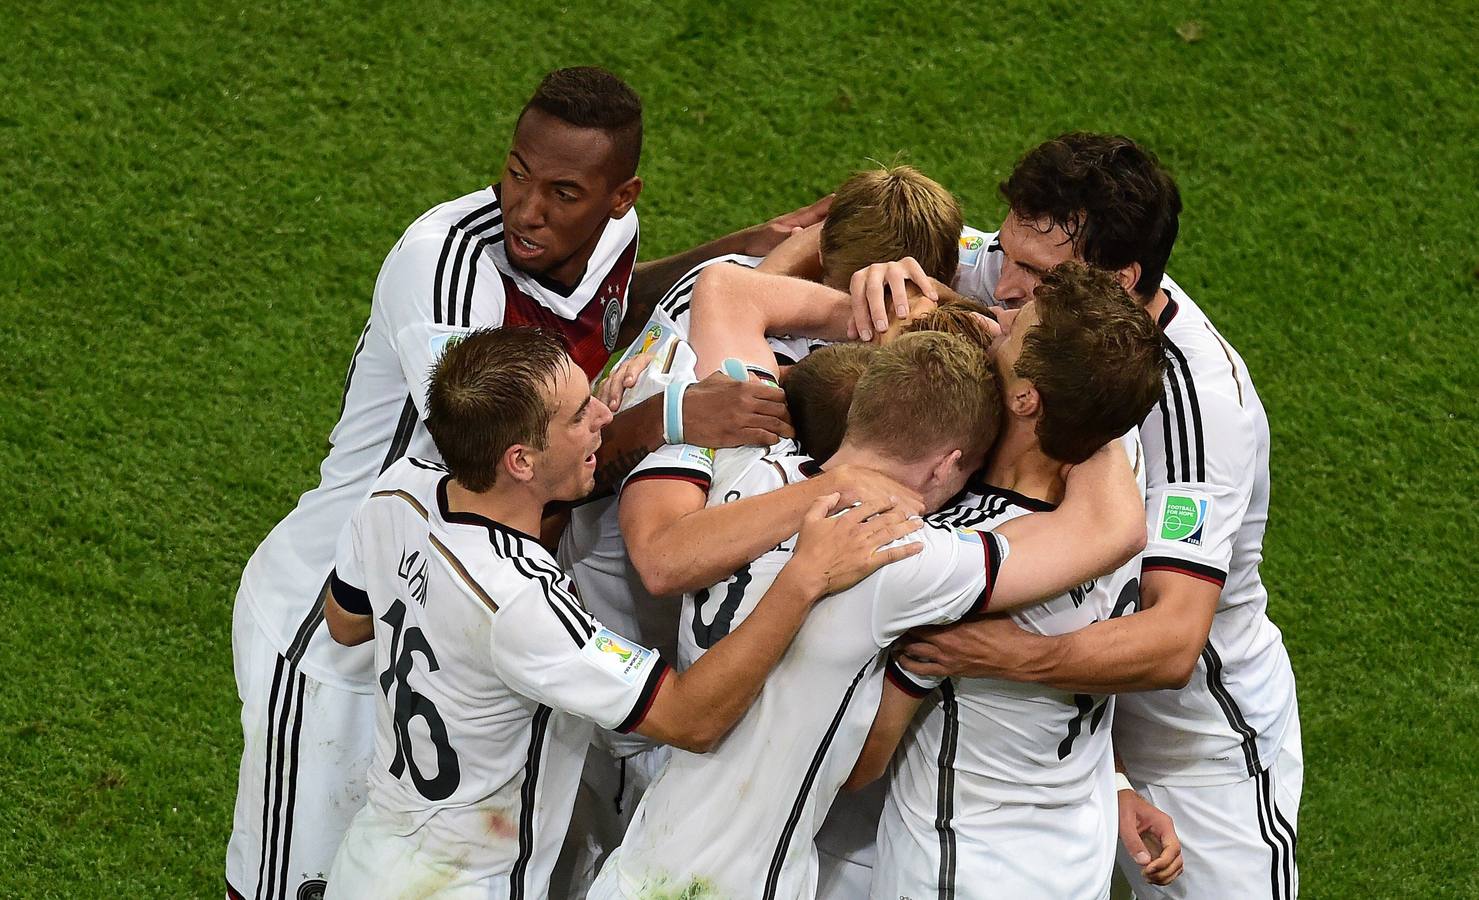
522,247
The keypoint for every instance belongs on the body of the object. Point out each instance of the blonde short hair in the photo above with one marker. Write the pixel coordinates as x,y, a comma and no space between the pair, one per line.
925,392
886,214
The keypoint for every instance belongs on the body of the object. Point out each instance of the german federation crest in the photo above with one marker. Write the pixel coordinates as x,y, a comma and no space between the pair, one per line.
611,323
1184,517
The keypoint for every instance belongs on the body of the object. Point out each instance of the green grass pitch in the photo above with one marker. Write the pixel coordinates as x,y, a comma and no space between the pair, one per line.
197,197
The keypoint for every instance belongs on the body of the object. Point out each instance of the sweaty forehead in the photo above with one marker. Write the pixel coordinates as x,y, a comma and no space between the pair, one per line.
555,150
1038,242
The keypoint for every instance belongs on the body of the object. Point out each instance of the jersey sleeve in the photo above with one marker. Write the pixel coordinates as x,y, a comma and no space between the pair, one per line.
949,579
916,686
1192,523
409,304
676,462
347,580
548,648
979,265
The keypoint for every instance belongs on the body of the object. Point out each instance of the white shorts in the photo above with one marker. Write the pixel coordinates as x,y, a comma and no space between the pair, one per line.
1237,840
307,747
610,789
375,863
1020,851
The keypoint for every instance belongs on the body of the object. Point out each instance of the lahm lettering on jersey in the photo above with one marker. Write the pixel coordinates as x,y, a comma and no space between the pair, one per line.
413,572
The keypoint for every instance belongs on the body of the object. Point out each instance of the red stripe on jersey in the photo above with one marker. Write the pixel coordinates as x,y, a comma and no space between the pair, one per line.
591,336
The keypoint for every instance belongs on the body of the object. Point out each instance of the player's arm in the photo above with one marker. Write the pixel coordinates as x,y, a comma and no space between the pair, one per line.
652,279
896,708
347,609
735,308
346,627
1181,583
717,412
677,543
696,708
1099,526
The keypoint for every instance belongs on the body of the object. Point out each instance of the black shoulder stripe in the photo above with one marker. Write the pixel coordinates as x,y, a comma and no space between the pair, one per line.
1196,410
491,229
404,428
353,361
464,222
520,564
1182,440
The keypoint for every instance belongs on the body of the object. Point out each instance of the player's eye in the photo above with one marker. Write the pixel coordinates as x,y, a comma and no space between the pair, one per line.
566,196
516,174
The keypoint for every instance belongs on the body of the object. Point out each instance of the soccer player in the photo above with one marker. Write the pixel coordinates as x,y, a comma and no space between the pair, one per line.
490,671
1212,736
553,243
738,822
1000,784
878,214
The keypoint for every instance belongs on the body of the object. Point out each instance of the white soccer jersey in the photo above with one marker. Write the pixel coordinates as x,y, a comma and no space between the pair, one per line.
1206,452
985,743
1206,449
739,821
447,275
489,673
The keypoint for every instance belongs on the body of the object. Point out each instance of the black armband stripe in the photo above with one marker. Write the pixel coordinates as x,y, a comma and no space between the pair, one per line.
902,680
1196,570
643,706
350,598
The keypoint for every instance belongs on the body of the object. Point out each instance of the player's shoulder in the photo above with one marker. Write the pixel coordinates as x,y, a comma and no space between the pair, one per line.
1198,352
477,213
412,481
750,471
675,303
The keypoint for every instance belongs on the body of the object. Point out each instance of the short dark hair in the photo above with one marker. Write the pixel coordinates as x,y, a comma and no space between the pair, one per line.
1113,198
1097,360
818,393
591,97
489,391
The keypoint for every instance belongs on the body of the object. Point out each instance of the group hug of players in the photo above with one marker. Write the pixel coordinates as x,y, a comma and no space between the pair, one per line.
890,558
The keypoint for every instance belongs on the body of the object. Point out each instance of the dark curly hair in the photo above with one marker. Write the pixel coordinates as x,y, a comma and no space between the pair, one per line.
1112,197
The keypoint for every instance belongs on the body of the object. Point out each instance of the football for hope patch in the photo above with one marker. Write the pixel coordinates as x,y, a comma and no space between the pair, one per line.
616,654
1184,517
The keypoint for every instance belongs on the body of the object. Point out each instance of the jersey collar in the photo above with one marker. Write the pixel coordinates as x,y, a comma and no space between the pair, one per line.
468,518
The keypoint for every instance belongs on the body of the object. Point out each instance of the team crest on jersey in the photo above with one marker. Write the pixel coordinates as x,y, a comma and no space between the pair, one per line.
970,249
616,654
611,323
312,889
1184,517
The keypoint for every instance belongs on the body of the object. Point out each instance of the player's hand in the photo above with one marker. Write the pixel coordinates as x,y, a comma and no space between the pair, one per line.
835,552
615,385
721,412
1150,838
870,310
798,256
765,237
860,484
989,647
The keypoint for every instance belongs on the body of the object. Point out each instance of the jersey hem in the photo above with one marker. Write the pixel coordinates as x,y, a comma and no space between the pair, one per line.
643,705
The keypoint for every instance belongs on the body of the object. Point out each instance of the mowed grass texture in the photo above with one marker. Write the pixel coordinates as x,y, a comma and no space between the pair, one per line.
197,198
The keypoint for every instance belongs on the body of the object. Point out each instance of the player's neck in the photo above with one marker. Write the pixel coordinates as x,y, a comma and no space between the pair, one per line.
1157,305
854,455
512,505
1018,463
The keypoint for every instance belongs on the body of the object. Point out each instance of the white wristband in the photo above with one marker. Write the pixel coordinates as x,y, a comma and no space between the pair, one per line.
1121,783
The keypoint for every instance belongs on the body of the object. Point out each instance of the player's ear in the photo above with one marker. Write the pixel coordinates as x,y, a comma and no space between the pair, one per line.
1022,398
948,465
518,463
625,196
1128,277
